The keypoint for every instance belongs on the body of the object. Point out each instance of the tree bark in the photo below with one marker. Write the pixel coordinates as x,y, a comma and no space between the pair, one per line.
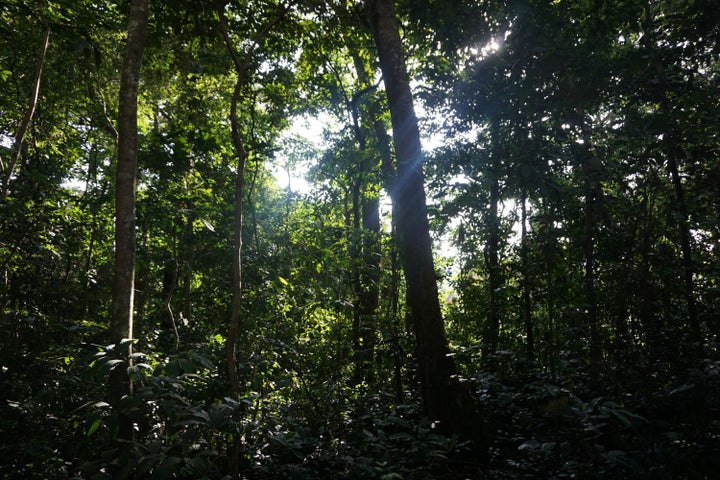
124,281
444,399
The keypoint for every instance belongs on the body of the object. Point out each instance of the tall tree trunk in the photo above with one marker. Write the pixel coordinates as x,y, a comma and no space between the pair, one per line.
646,293
526,301
369,280
673,152
492,257
549,248
591,313
672,144
231,342
366,211
124,281
443,398
7,171
388,173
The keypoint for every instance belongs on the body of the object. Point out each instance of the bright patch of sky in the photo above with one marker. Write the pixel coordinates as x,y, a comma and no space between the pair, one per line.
300,148
6,141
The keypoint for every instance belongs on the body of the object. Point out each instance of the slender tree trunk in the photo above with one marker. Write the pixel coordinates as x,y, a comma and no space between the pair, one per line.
242,69
388,173
231,342
671,144
589,167
355,234
549,263
444,399
591,187
370,280
366,211
169,286
7,171
672,147
646,294
492,258
526,301
124,282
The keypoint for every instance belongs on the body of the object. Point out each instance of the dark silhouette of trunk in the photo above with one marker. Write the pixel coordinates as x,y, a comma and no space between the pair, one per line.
188,246
366,225
673,152
393,296
356,268
525,261
369,281
549,248
589,247
121,322
590,168
242,67
444,399
647,293
7,171
492,256
672,145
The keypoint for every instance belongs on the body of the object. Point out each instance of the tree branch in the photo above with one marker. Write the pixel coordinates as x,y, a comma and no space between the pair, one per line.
22,129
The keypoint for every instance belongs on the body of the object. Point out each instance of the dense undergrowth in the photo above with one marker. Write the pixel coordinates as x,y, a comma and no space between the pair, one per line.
56,424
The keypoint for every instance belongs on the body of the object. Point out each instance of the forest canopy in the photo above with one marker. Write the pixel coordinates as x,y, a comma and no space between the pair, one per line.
284,239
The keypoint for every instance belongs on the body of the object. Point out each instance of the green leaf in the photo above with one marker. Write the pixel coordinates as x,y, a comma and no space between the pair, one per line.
392,476
113,363
93,426
186,365
169,467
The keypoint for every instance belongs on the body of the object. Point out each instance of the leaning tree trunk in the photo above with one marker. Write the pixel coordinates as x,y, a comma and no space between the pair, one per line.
124,282
443,398
25,123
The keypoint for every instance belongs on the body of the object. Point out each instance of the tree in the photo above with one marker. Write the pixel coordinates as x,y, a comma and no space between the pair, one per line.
121,321
242,63
7,171
578,142
444,398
